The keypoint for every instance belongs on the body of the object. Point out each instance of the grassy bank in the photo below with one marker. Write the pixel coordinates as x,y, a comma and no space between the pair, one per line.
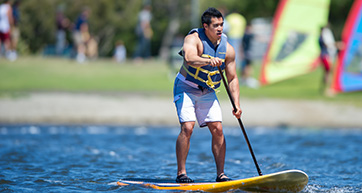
29,74
54,74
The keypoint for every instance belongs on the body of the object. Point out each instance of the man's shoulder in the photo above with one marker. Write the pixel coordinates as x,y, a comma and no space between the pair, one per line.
193,37
230,52
193,34
193,40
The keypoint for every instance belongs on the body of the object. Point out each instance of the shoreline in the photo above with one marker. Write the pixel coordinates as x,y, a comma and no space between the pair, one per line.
140,109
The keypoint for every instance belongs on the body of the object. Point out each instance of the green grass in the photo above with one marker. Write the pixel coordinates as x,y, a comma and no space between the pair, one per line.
29,74
54,74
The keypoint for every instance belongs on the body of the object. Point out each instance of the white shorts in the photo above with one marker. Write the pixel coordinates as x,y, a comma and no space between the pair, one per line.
195,104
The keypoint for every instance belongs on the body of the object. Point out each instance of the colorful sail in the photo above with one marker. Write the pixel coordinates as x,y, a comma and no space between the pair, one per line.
293,49
348,72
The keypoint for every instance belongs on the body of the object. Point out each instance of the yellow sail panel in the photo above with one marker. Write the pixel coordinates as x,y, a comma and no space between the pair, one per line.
294,49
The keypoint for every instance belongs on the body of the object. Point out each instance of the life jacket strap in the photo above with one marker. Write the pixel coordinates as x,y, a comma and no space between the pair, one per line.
210,57
209,81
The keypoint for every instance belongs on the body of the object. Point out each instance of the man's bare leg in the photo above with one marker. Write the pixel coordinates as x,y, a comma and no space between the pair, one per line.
218,147
183,146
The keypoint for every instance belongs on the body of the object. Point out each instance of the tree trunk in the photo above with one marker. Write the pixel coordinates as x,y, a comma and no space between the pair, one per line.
171,31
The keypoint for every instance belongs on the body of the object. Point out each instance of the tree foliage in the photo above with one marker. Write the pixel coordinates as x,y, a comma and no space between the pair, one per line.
113,20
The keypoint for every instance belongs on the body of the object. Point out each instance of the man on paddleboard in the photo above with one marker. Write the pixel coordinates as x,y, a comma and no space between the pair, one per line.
204,51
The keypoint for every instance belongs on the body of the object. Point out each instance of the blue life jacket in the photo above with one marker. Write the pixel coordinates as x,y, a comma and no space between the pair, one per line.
207,76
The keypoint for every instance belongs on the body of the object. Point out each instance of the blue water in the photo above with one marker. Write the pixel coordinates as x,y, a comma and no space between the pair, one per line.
56,158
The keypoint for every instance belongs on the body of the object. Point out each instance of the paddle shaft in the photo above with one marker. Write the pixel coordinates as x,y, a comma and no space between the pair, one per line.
240,122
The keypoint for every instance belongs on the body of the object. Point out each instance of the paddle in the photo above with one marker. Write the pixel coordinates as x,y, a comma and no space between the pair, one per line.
239,120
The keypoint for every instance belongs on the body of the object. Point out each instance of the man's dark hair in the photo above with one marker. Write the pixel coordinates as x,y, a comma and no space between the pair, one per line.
210,13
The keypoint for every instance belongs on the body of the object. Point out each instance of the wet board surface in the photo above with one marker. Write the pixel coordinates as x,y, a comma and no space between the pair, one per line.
285,181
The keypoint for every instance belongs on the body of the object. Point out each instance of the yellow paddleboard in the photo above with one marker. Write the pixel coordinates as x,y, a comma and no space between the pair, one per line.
285,181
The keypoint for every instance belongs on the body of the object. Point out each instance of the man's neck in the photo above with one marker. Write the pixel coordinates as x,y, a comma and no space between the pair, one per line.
215,42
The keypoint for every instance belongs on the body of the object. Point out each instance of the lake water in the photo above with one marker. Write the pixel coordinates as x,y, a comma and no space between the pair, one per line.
53,158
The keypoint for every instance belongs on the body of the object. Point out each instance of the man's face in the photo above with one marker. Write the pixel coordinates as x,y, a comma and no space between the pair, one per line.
214,30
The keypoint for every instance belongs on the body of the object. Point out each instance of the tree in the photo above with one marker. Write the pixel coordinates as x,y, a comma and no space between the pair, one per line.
112,20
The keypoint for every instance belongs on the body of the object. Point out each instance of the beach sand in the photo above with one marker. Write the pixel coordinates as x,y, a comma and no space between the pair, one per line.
141,109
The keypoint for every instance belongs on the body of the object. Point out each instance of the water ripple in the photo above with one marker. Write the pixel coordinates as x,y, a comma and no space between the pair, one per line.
57,158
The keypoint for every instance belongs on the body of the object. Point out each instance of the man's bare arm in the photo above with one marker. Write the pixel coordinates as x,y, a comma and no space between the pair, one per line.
232,78
192,50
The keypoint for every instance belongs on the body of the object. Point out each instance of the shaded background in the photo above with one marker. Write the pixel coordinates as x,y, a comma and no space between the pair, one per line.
112,20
